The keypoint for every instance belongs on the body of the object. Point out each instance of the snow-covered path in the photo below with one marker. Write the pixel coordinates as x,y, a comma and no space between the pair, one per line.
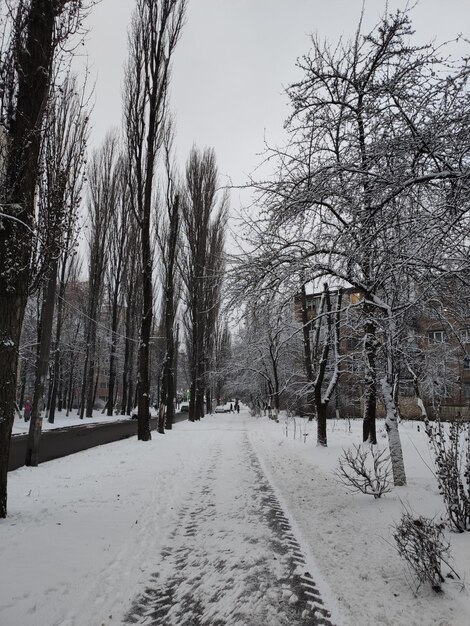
184,530
219,523
232,559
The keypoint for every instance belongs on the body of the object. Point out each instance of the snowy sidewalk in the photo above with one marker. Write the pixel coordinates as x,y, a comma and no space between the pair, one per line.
184,530
219,523
232,558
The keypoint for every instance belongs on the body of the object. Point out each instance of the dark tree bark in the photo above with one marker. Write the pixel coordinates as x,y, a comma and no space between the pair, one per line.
103,176
213,298
118,259
199,218
56,390
33,52
131,291
323,389
321,369
42,367
154,33
370,399
168,380
307,350
59,187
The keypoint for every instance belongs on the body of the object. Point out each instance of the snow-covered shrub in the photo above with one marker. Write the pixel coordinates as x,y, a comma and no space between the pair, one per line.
452,457
366,469
421,542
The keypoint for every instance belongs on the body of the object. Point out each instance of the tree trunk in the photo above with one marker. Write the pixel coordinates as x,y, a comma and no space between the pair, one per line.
170,400
127,391
37,406
92,377
70,394
169,367
24,373
321,425
81,409
58,334
112,358
320,406
34,54
370,400
60,391
175,371
200,401
394,443
11,318
143,426
307,354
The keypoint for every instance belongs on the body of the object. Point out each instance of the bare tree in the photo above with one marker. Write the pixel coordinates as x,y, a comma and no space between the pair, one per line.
132,300
155,30
103,188
213,298
307,349
60,183
222,357
323,344
73,344
169,242
261,363
67,275
120,231
368,190
36,28
199,212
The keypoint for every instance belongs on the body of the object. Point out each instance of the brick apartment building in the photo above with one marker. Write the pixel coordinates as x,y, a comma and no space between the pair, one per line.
437,333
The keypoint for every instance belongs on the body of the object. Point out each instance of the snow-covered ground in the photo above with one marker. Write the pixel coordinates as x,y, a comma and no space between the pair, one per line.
226,521
61,420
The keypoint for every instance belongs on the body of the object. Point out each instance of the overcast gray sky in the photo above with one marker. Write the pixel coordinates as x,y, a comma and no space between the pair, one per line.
233,60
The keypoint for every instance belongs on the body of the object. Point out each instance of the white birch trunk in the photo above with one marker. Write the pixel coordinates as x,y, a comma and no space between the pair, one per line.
394,443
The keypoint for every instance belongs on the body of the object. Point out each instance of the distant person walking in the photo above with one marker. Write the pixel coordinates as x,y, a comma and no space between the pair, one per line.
231,407
237,406
27,410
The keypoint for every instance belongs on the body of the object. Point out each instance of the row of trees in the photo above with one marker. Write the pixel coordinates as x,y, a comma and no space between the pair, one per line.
155,240
33,34
95,321
371,193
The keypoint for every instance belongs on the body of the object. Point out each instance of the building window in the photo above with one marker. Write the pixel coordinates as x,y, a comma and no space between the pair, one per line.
103,385
353,343
437,336
465,335
466,362
466,391
407,388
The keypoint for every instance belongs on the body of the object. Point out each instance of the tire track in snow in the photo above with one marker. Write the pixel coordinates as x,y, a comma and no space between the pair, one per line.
233,558
300,580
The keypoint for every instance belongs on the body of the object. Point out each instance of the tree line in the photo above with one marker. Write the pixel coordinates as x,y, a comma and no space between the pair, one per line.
370,196
149,286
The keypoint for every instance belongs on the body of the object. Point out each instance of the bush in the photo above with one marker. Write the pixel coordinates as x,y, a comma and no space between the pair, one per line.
420,541
366,469
452,458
